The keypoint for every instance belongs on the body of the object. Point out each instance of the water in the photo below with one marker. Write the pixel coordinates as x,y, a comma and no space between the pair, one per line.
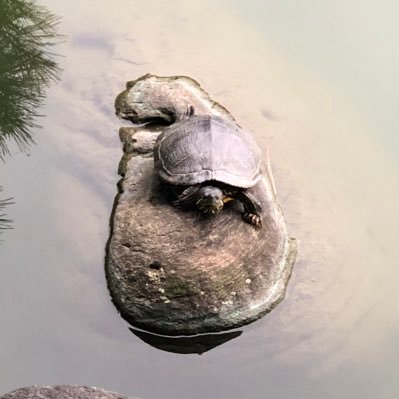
316,82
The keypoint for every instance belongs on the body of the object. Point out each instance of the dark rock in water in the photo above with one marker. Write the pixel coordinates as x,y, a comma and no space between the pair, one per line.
186,345
171,271
62,392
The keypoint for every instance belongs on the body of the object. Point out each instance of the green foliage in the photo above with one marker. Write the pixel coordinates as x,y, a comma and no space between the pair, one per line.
27,67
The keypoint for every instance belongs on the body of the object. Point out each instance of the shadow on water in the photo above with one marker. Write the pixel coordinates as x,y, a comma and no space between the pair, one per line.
27,68
185,345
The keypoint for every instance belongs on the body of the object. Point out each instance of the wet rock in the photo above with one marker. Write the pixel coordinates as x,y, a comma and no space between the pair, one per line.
171,271
62,392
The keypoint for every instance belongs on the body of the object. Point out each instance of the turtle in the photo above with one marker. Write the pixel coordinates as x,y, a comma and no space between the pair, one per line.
208,161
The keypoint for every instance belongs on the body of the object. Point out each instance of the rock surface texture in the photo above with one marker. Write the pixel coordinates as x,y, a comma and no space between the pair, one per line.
62,392
171,271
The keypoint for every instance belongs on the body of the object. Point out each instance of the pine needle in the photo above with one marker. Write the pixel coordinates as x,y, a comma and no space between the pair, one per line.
5,223
27,67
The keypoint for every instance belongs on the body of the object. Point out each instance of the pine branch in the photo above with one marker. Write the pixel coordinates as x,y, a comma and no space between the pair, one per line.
28,32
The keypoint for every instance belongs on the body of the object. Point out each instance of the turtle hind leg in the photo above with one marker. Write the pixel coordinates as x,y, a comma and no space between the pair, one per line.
252,208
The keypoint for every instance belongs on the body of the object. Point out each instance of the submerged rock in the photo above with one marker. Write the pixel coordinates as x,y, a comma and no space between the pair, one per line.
62,392
172,271
186,345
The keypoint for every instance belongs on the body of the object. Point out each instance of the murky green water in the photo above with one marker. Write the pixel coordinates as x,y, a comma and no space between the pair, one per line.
317,81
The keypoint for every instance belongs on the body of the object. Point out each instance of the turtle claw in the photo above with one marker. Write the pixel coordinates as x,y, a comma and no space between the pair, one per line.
253,219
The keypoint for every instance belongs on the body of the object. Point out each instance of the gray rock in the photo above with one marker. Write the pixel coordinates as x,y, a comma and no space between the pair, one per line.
171,271
62,392
165,98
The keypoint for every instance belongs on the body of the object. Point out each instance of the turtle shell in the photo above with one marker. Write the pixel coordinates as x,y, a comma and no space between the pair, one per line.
201,148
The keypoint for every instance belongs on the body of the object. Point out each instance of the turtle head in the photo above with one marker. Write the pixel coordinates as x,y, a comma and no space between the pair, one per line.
210,200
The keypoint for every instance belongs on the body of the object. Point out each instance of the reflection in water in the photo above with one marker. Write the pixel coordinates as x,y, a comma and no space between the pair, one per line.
4,222
27,67
186,345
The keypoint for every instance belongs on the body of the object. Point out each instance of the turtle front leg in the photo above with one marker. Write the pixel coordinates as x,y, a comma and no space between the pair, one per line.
188,197
252,208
